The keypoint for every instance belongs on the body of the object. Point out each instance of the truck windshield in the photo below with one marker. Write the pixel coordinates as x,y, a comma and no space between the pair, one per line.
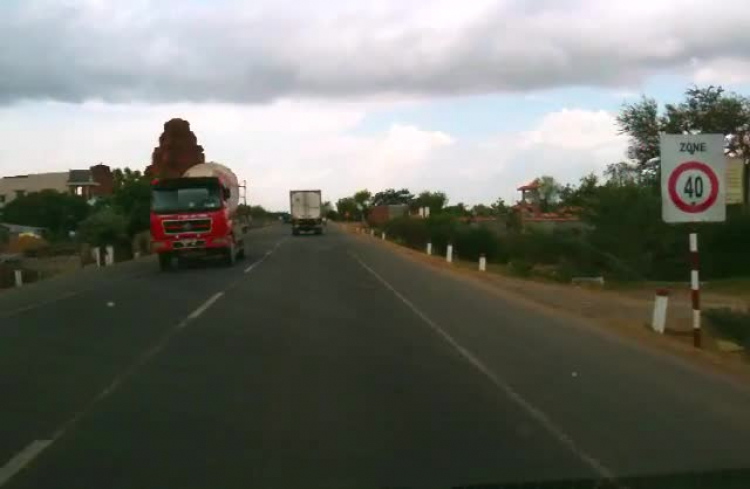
186,199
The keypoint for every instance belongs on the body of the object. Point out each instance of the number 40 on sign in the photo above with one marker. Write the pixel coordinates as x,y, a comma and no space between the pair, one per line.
692,178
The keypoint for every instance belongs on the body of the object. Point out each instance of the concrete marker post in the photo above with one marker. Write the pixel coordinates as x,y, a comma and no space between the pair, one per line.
449,253
659,319
429,248
382,235
695,290
482,263
97,252
109,258
18,274
372,232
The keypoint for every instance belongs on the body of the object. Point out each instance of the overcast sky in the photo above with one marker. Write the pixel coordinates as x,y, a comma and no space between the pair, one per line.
470,97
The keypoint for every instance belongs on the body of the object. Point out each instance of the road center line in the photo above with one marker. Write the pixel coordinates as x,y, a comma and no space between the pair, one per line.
268,253
537,414
35,448
22,459
195,314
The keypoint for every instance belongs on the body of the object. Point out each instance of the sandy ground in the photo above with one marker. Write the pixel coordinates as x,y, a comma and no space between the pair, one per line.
628,312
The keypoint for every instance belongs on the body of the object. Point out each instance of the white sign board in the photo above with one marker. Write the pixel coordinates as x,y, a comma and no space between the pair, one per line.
692,178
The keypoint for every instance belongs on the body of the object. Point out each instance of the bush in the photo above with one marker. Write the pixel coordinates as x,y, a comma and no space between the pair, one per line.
520,267
413,233
731,324
471,242
106,227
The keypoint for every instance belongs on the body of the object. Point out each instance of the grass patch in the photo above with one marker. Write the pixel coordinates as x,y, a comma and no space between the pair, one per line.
730,324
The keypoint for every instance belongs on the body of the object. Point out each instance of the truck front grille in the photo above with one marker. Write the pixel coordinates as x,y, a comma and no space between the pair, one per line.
187,226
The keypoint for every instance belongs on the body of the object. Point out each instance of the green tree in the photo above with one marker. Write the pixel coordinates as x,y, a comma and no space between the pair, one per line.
622,173
347,209
549,192
363,198
434,200
640,122
703,110
499,207
393,197
58,212
132,199
580,195
481,210
104,227
458,210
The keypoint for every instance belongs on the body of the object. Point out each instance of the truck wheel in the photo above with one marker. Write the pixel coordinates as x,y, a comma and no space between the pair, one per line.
319,231
165,262
295,232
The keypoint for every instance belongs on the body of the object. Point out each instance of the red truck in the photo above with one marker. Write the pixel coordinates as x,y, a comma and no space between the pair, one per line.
196,215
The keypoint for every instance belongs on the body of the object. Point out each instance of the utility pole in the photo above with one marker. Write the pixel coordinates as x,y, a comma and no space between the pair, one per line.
244,192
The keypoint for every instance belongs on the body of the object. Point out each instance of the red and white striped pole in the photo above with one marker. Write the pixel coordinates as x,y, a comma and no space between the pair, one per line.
695,290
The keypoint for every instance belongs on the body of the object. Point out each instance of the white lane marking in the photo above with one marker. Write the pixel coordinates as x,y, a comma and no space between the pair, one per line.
22,459
195,314
537,414
268,253
28,454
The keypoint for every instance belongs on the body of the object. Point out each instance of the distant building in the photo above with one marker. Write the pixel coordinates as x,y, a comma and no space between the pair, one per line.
532,218
380,214
94,182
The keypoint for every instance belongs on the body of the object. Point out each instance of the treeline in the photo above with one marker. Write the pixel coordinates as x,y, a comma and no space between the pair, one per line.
621,233
356,207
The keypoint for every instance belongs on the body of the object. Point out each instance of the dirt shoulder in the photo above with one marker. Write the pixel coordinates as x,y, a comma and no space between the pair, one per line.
626,313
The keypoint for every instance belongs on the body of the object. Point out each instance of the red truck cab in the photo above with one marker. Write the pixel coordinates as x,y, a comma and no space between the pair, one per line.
190,217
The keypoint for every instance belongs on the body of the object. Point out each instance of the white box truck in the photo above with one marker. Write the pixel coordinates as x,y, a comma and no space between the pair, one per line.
307,211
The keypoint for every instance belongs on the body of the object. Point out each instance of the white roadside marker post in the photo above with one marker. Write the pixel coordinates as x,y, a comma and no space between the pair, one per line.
659,320
19,277
449,254
482,263
110,256
429,248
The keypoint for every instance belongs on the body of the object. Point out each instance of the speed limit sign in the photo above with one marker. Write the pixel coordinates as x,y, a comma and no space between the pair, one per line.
692,178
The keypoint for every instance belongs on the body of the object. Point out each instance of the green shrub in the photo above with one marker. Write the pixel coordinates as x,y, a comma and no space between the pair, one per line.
413,233
472,242
520,267
105,227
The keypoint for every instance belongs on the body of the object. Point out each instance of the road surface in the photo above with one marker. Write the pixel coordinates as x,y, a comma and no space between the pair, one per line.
331,361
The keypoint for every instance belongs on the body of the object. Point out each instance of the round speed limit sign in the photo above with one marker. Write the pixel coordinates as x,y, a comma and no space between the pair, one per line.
692,178
693,187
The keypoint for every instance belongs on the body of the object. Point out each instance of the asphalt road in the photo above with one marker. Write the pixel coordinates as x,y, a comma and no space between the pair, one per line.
331,361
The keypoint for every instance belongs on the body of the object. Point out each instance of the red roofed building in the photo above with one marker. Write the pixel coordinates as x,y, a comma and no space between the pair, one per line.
532,217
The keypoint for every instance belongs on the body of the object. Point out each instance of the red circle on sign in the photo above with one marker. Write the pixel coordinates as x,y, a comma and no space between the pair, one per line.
672,186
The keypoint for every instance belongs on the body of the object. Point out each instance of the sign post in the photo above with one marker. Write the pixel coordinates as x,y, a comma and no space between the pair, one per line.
693,190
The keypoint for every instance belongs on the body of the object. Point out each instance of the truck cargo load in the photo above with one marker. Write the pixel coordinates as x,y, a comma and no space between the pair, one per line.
306,211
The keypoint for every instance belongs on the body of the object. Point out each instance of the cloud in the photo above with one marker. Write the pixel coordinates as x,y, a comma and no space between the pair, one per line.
308,144
566,144
229,51
722,71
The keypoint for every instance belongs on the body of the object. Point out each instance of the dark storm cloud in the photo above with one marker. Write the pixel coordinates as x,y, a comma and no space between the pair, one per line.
153,51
